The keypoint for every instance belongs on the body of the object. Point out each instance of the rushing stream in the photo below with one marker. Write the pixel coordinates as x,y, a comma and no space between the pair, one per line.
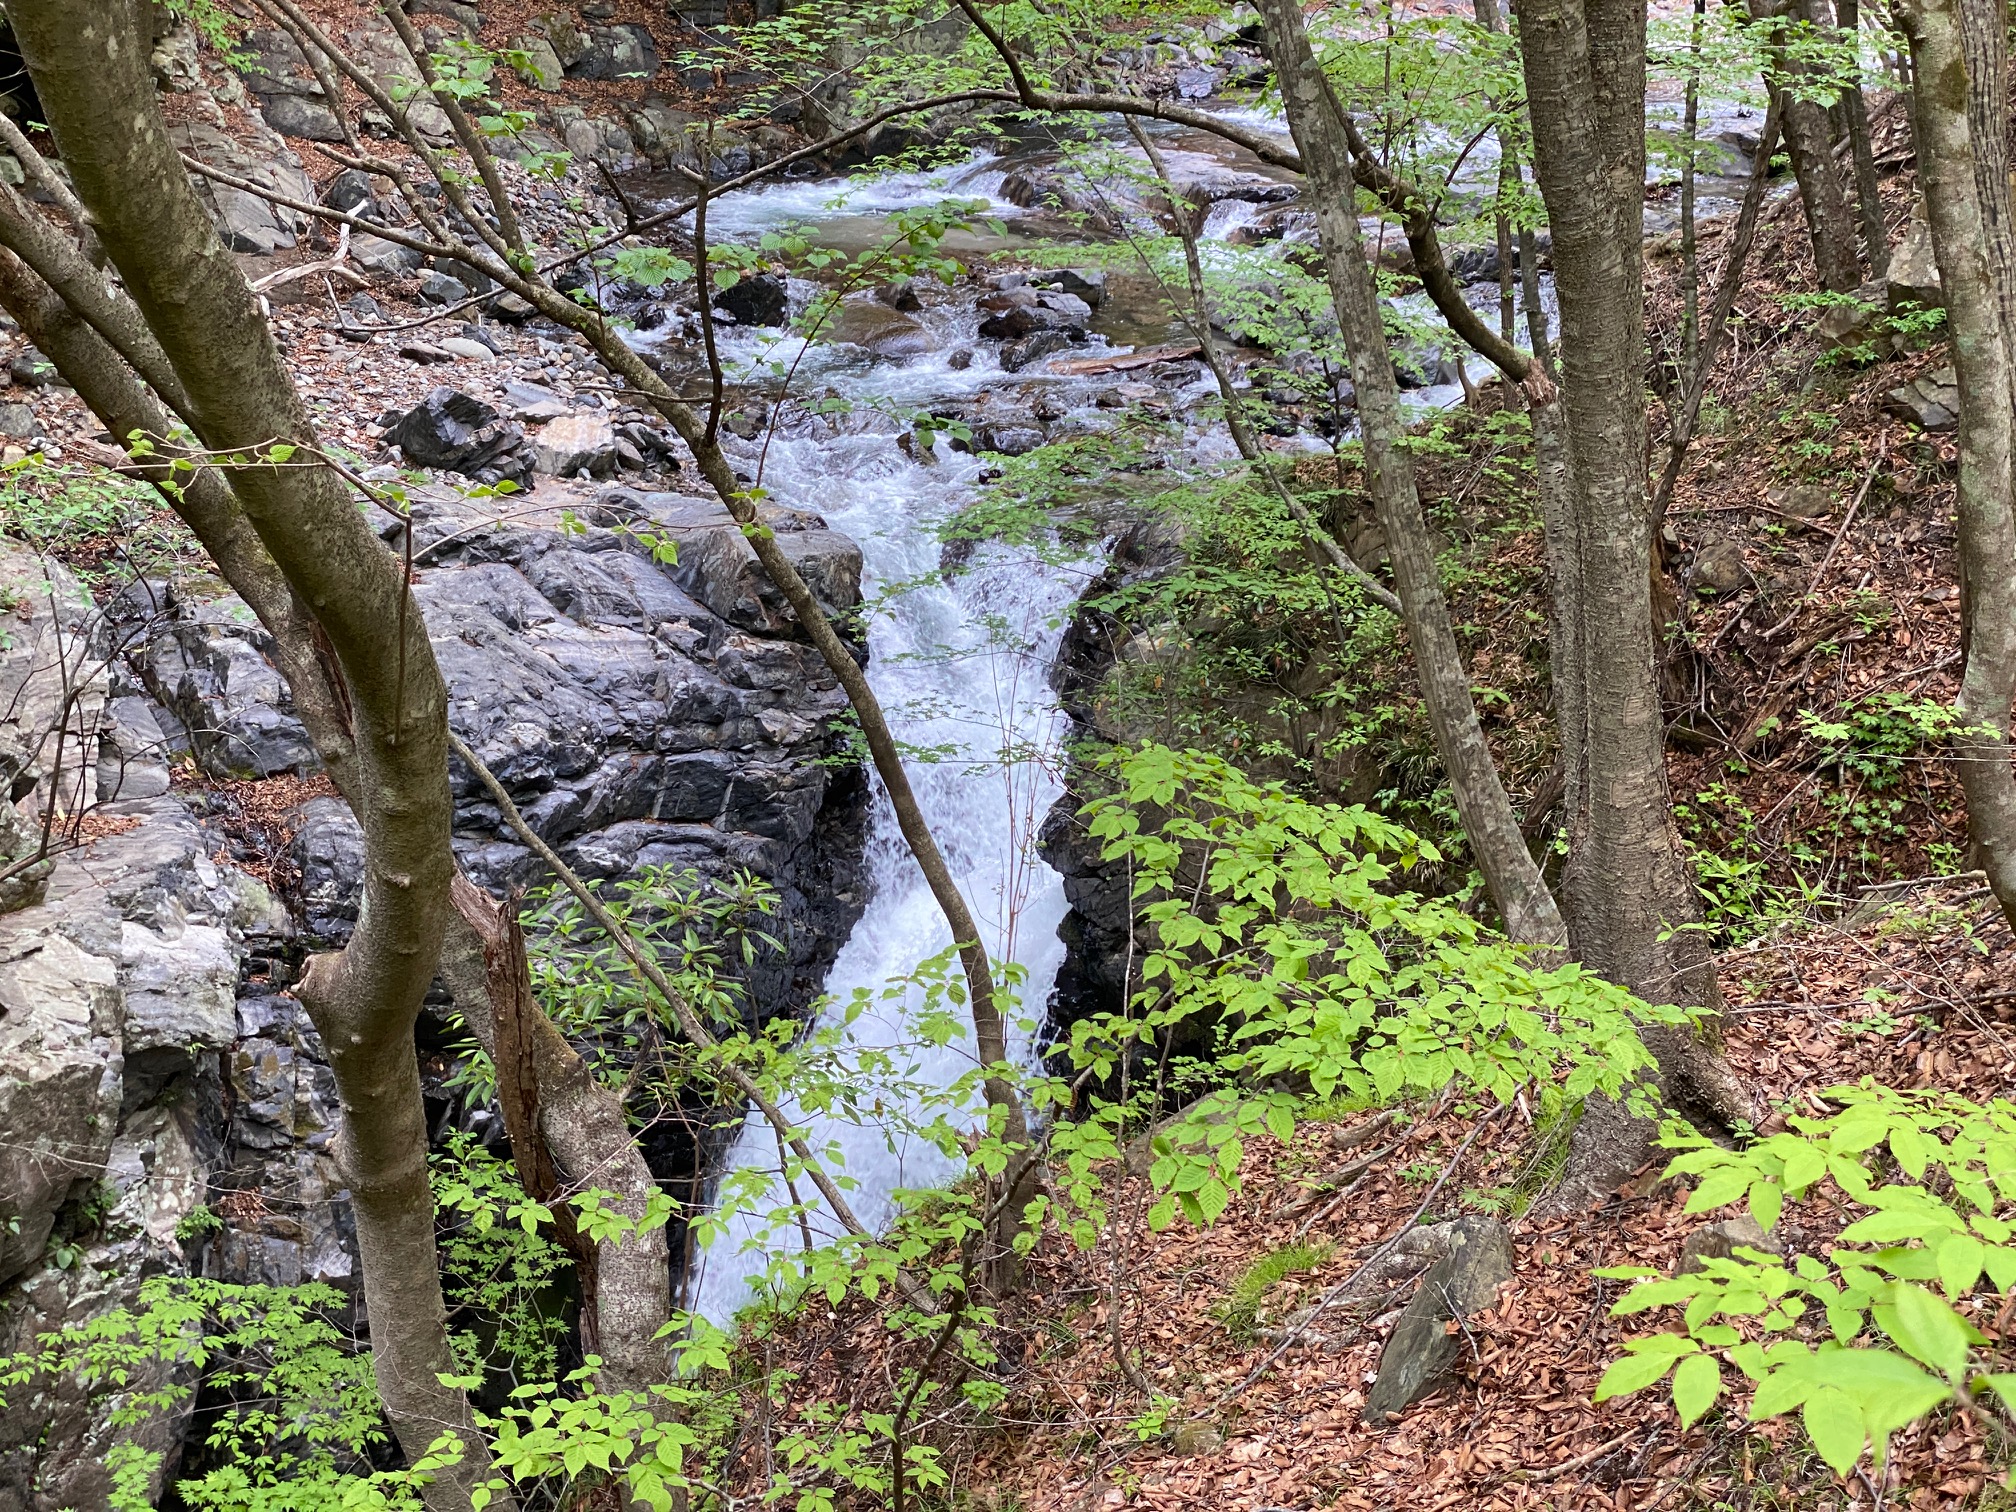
960,662
960,665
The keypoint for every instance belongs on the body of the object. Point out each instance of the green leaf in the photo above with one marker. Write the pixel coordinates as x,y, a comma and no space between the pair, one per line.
1961,1257
1926,1328
1633,1373
1696,1384
1834,1423
1766,1203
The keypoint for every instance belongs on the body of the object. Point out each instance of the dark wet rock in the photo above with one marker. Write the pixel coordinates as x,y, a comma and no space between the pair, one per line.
1476,1260
440,289
717,566
209,665
870,323
459,433
901,294
616,52
301,117
1089,284
1017,355
762,299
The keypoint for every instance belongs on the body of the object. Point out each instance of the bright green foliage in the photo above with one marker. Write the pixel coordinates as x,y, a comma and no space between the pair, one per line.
1878,1333
1280,922
301,1399
497,1265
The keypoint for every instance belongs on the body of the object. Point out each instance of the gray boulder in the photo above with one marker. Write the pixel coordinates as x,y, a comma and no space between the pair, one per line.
624,51
574,444
1914,272
1476,1260
245,221
540,66
305,117
717,566
209,663
1930,401
457,432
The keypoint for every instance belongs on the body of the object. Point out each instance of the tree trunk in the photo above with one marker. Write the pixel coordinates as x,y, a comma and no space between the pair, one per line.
581,1122
584,1124
1868,190
91,74
1488,821
1632,912
1810,140
1958,58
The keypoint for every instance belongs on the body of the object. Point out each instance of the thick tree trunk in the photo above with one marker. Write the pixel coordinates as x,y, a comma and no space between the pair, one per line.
1488,821
1632,912
584,1124
91,73
1958,58
1810,140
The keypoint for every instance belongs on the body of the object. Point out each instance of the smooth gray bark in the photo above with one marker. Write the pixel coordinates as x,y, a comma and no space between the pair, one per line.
1488,820
1959,63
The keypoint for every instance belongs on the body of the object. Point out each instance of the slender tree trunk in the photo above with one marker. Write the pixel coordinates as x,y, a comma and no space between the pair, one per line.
1855,110
1632,912
1690,259
91,74
1810,141
1958,57
1493,829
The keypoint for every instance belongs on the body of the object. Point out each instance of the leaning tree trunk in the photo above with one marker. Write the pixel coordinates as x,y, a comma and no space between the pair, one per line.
91,74
1488,820
1959,60
1632,911
1810,140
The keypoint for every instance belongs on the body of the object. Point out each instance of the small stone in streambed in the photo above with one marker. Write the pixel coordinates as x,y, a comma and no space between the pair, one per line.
462,346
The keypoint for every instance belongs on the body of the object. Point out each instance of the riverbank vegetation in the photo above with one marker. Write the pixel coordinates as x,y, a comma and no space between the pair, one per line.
1537,814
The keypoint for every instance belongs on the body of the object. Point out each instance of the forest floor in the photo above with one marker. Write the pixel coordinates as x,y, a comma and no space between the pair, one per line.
1268,1420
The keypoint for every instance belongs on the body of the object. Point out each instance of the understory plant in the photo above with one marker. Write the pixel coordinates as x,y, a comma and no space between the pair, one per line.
1903,1314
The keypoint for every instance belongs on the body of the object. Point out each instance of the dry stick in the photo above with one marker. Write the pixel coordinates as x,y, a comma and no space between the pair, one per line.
1581,1461
1882,455
1681,432
1198,319
641,962
1337,1291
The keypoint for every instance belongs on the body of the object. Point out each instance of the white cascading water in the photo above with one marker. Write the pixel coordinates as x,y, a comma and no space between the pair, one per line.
959,665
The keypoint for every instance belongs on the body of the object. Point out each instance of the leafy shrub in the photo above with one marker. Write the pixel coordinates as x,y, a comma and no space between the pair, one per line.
1859,1342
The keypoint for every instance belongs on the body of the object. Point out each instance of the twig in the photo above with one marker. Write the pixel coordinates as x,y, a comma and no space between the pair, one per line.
1570,1466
